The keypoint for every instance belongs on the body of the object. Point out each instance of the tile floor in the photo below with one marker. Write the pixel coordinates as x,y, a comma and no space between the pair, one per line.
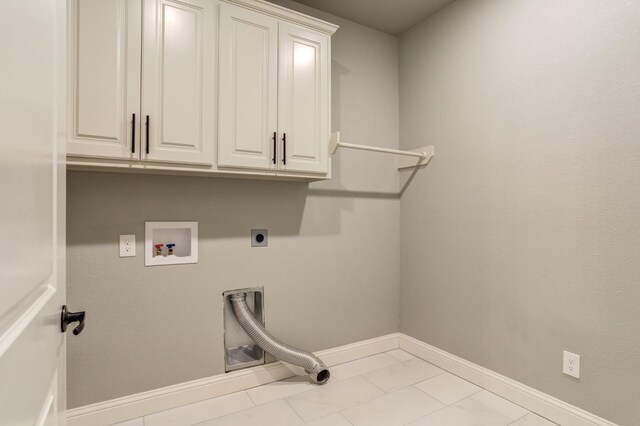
388,389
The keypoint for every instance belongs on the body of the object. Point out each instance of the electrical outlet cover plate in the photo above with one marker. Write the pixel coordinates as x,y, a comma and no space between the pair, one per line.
127,245
571,364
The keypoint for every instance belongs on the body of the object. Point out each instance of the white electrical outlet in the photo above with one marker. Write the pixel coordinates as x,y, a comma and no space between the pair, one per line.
127,245
571,364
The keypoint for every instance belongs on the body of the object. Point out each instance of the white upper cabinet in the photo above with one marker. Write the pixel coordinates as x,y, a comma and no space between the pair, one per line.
303,99
248,89
104,83
199,86
178,81
274,94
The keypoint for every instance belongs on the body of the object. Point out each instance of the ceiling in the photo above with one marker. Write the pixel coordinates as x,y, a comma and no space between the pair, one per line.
390,16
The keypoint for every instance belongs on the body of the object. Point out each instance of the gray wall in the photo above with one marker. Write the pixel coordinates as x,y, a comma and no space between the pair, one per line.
522,237
331,271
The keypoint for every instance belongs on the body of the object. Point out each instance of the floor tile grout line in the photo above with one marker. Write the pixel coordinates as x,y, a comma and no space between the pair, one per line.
310,390
294,411
364,402
373,384
482,389
438,399
475,393
216,417
481,403
399,362
247,409
345,418
255,404
356,405
518,405
486,406
525,414
323,417
249,396
427,415
341,412
450,405
396,361
535,414
358,359
511,402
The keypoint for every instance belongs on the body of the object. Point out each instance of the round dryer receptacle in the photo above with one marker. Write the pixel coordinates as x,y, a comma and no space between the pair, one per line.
259,238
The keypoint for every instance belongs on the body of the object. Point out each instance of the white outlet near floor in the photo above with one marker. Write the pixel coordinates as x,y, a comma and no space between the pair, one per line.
571,364
127,245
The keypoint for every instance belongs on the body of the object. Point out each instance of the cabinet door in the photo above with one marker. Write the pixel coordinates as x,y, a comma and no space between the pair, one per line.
178,81
104,78
248,88
303,99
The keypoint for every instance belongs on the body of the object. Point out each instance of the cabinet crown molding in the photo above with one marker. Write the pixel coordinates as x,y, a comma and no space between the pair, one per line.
287,15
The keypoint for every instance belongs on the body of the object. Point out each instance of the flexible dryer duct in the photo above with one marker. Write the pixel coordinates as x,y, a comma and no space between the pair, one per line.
311,363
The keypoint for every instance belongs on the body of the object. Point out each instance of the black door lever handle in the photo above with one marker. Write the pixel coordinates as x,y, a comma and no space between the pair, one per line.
70,317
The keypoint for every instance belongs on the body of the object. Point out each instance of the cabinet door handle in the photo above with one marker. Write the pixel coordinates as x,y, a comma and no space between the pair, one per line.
133,134
284,149
275,147
146,123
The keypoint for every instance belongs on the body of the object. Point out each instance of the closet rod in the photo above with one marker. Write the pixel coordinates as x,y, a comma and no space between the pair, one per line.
423,154
385,150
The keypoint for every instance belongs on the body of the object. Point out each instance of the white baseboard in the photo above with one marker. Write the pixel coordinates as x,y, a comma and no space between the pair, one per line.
547,406
141,404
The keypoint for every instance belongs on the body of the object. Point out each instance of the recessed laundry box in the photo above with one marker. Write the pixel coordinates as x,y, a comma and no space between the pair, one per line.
170,243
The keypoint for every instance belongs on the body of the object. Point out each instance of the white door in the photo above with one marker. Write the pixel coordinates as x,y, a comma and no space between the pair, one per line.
104,78
32,217
303,100
248,89
178,81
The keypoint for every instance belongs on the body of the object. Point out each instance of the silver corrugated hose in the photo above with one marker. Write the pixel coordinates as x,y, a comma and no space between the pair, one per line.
311,363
